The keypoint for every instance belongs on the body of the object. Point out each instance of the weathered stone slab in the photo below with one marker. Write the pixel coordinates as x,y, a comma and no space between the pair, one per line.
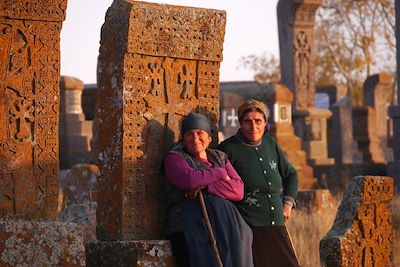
376,95
157,63
394,111
40,244
362,231
29,104
149,253
365,133
75,131
341,142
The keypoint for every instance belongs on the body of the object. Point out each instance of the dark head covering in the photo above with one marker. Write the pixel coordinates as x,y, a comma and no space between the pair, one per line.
252,104
195,121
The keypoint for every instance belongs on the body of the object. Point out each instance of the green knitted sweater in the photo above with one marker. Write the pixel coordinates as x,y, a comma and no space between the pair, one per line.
268,178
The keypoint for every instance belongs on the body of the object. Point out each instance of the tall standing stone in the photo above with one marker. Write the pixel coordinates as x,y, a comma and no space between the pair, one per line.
362,231
342,142
376,90
157,63
75,131
29,103
296,19
394,111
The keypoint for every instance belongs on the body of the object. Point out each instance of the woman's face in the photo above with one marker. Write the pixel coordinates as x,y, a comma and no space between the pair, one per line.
196,142
253,126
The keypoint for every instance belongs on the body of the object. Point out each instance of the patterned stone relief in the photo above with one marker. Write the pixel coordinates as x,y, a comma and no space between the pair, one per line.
29,67
170,68
362,231
297,45
303,69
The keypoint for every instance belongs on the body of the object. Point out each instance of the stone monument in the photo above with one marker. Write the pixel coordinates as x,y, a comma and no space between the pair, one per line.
75,131
376,89
394,111
296,37
362,231
157,63
29,103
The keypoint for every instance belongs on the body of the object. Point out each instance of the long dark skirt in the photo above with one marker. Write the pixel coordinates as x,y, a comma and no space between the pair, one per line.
272,247
233,235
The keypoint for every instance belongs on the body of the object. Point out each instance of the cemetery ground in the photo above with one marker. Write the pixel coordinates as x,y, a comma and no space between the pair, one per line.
306,227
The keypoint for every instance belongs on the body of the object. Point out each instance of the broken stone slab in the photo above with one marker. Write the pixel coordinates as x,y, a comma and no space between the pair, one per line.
27,243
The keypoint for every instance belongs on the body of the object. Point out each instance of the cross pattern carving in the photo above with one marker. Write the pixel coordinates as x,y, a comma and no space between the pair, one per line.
170,78
22,115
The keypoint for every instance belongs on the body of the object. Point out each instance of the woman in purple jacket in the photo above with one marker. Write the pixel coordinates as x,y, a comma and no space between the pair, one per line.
191,166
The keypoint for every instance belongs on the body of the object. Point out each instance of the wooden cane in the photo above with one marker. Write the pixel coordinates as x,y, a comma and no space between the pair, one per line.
209,230
292,244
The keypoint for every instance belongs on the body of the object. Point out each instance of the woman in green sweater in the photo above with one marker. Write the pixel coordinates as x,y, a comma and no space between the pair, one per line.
270,186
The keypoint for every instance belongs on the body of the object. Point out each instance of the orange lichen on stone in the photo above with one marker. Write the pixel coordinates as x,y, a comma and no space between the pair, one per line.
157,63
362,231
29,104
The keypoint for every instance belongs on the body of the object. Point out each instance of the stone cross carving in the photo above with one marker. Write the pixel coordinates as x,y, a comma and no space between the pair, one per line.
157,63
362,231
296,20
29,93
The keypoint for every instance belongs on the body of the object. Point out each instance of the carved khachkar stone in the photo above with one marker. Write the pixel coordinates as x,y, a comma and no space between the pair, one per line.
29,93
157,63
362,231
296,19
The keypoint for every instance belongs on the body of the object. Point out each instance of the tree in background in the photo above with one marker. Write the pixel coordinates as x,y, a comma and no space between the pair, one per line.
354,39
266,67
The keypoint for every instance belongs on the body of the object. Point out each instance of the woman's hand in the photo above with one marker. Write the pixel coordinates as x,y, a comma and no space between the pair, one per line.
287,211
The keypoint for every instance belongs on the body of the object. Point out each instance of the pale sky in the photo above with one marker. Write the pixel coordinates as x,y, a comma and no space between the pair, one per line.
251,28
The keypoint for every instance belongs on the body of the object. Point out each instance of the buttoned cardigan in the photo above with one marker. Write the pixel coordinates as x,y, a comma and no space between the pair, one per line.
268,179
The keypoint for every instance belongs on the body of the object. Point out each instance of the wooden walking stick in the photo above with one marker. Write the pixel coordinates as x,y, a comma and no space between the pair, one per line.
209,230
292,244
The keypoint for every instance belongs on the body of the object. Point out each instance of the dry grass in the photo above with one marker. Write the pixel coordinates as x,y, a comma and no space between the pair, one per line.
308,227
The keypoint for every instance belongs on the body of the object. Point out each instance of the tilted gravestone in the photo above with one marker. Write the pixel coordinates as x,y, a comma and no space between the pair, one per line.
157,63
362,231
29,104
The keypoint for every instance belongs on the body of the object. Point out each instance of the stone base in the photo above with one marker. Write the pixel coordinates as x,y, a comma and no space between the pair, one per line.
26,243
130,253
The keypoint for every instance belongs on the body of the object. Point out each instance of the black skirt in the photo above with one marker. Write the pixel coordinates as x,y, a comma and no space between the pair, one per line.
272,247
